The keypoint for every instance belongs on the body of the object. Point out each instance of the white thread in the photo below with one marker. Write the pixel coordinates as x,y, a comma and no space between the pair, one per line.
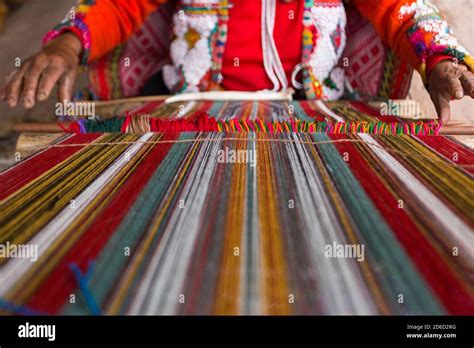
277,64
271,59
266,59
15,269
457,230
296,70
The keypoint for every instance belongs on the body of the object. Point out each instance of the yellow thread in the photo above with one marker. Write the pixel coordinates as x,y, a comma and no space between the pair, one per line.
37,274
403,154
230,268
143,248
338,204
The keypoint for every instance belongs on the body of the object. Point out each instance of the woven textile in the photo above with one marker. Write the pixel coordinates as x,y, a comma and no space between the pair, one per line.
340,117
158,223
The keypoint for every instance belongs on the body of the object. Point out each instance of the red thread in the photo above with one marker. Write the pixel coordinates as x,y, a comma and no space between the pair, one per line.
23,173
57,287
443,280
72,128
128,119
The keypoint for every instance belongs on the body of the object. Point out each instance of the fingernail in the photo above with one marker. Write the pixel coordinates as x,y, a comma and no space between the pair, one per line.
28,102
41,96
11,101
459,94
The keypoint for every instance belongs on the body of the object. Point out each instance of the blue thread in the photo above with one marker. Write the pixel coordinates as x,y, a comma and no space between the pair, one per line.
83,280
18,309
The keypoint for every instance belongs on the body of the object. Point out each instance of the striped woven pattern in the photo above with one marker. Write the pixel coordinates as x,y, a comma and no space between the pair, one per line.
154,223
340,117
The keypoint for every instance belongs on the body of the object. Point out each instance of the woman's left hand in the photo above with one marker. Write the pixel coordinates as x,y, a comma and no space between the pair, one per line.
448,81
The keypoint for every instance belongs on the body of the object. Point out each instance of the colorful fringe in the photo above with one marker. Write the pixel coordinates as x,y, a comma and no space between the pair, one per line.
340,117
207,124
431,35
170,229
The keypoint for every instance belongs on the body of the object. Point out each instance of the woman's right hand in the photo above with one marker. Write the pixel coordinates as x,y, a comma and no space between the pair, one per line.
57,62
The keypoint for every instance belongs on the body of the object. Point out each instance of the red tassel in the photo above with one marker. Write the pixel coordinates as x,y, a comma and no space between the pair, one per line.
73,128
128,119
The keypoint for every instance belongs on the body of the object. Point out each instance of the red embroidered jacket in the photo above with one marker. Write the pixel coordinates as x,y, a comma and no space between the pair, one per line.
368,46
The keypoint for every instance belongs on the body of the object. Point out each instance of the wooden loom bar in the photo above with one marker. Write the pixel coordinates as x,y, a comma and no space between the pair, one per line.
131,100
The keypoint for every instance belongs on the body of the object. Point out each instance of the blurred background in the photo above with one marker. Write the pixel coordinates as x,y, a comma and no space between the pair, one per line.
26,23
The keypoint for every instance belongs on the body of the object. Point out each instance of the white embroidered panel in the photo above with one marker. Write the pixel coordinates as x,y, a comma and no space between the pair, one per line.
330,22
190,50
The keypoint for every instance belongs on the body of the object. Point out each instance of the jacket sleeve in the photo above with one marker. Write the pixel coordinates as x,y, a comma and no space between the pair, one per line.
103,24
415,30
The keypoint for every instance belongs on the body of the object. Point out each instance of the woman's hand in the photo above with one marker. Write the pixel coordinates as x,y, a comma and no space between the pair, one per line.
449,81
58,62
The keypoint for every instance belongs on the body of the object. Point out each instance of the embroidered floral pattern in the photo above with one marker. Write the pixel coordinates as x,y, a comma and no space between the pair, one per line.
313,88
430,33
330,22
337,36
218,45
200,32
190,50
74,22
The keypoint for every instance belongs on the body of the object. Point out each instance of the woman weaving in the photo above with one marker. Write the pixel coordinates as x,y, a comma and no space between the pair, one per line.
321,48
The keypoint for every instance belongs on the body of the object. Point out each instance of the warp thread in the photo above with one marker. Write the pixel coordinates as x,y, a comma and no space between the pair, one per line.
82,280
113,143
368,187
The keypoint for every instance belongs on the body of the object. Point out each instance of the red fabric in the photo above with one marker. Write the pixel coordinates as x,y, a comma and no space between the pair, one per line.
244,42
112,22
433,60
310,110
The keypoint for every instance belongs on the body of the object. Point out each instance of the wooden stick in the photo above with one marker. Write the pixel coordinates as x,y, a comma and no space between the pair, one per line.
231,95
29,143
213,95
455,129
38,128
